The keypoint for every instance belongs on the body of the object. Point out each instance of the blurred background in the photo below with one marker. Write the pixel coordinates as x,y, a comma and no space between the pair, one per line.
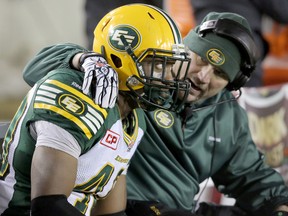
26,26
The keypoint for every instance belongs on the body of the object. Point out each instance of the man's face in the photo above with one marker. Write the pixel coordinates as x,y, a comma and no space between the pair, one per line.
160,75
161,83
206,80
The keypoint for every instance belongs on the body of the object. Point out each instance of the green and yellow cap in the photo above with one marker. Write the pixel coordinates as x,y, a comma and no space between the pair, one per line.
217,49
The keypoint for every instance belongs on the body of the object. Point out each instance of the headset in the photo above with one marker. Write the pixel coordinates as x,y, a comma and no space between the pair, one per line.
244,41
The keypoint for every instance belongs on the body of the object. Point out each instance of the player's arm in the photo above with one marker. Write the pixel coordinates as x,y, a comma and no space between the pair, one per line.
53,174
115,203
53,170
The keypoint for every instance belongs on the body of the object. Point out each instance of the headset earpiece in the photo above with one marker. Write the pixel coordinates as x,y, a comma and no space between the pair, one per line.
240,80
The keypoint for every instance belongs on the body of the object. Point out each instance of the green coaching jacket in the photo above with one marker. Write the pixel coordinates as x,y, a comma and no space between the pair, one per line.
179,151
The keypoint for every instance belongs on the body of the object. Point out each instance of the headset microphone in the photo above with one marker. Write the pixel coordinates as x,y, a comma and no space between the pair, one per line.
217,103
188,110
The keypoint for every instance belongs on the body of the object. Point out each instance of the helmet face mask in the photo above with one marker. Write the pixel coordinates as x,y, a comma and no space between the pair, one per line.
162,79
132,34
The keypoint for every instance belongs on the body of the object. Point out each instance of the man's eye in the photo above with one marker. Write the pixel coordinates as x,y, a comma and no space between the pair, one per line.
221,74
201,61
158,66
204,60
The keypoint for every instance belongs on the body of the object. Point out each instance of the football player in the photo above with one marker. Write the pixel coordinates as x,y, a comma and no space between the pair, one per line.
65,151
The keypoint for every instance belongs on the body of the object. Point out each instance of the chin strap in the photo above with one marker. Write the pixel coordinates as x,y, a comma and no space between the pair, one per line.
159,97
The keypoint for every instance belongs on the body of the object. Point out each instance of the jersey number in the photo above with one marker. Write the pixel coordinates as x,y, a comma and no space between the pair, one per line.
95,185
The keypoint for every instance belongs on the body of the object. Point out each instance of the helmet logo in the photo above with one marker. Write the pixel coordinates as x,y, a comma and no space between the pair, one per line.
215,57
131,35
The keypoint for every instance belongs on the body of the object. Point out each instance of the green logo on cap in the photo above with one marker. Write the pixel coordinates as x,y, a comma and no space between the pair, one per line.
215,57
131,35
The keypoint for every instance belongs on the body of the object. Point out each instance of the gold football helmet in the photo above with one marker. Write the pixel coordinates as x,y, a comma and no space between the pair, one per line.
129,34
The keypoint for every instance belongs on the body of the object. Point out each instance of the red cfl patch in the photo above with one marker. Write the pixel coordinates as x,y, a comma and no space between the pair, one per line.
111,139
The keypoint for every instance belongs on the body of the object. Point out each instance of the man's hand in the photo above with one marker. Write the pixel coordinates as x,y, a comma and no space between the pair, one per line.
100,79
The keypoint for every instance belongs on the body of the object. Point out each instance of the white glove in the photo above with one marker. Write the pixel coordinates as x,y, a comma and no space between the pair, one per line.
100,79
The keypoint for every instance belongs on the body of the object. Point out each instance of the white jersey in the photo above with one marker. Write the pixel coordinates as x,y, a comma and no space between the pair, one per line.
111,157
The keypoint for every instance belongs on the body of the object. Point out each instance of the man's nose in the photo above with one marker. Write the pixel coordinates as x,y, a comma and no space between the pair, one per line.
204,75
168,73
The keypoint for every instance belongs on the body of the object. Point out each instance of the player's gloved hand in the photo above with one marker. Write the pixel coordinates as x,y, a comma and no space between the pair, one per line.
100,80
